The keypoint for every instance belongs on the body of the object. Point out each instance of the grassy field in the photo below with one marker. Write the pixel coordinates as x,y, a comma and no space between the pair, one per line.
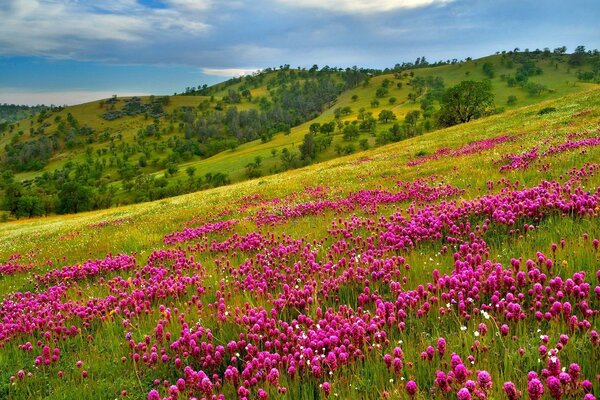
268,294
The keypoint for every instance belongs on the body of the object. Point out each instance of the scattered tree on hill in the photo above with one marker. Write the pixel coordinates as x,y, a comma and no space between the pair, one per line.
488,69
578,56
74,197
465,101
308,148
386,115
351,132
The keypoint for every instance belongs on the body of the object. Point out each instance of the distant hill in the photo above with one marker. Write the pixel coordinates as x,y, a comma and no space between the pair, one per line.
10,113
125,150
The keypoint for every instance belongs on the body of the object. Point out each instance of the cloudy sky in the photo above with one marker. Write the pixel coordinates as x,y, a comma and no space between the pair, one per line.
70,51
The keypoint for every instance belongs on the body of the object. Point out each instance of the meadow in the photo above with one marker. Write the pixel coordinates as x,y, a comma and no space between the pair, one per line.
460,264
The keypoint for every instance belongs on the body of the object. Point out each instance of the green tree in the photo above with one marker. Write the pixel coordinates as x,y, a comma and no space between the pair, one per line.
308,148
386,115
351,132
314,127
578,56
190,171
488,69
411,117
465,101
74,197
381,92
535,89
288,158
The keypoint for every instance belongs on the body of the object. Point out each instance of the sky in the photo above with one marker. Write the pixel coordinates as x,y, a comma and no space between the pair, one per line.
72,51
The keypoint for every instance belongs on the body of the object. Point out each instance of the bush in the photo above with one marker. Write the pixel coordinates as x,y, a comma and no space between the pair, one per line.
546,110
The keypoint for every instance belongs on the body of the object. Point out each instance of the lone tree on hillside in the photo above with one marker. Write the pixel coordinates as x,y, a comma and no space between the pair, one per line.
466,101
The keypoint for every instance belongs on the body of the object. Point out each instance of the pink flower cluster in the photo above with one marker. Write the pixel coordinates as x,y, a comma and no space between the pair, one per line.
88,269
471,148
192,233
521,161
11,268
368,200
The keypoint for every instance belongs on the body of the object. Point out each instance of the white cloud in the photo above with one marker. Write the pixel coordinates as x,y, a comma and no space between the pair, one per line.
12,96
361,6
191,5
62,29
233,72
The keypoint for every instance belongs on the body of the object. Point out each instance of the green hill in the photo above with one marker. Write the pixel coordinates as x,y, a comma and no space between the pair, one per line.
344,279
10,113
126,150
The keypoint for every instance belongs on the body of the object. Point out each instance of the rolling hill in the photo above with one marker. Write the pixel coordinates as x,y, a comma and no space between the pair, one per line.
126,150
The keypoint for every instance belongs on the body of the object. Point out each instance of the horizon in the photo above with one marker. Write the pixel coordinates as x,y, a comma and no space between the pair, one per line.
66,54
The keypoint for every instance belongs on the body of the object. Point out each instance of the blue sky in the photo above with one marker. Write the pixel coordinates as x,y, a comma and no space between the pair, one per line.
68,51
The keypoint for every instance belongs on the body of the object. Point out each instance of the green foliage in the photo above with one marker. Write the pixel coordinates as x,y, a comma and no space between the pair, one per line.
578,56
288,158
488,69
350,132
10,113
546,110
364,144
74,197
535,89
465,101
381,92
308,148
386,115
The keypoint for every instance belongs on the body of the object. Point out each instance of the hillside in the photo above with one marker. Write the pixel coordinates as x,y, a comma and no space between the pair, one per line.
470,252
10,113
124,150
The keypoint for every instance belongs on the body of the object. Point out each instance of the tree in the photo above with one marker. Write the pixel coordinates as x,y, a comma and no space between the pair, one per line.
190,171
386,115
465,101
381,92
411,117
314,128
308,148
535,89
74,197
287,158
351,132
488,69
578,56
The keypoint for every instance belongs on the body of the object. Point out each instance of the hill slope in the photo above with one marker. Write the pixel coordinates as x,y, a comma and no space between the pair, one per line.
132,150
479,240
